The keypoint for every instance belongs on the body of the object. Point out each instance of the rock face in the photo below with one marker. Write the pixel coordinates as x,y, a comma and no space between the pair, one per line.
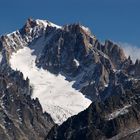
116,117
20,116
74,52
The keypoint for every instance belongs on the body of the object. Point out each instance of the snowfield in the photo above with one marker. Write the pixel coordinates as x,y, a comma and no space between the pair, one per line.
55,94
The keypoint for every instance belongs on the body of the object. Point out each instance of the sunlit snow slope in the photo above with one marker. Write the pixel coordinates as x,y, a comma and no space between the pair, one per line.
55,93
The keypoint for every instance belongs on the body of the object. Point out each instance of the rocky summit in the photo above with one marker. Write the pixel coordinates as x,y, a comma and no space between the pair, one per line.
62,83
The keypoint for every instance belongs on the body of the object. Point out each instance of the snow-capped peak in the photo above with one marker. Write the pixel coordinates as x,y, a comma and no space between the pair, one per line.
32,30
85,28
46,23
36,28
40,23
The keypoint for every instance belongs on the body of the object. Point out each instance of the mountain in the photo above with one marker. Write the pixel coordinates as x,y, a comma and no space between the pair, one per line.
89,90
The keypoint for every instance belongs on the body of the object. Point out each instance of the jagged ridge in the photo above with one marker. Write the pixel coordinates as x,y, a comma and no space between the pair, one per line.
94,68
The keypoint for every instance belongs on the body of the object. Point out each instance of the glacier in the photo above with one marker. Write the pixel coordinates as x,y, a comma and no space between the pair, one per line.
55,93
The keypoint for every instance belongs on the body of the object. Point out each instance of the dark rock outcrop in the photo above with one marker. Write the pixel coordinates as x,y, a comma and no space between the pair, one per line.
20,116
116,117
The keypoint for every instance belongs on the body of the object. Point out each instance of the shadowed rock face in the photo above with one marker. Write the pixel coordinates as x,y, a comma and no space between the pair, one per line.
74,43
20,116
116,117
77,54
65,49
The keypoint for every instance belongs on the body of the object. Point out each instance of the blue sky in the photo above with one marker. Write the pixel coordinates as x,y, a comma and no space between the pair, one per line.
118,20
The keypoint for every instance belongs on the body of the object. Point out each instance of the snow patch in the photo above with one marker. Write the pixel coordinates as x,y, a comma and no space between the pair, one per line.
9,85
14,40
106,85
55,94
85,28
118,112
0,57
46,23
76,62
